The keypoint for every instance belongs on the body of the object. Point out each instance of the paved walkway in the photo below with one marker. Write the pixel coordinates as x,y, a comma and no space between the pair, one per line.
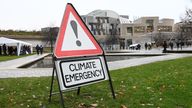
8,69
140,61
13,64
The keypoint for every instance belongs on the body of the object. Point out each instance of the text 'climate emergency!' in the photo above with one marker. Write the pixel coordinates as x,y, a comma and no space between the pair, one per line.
77,72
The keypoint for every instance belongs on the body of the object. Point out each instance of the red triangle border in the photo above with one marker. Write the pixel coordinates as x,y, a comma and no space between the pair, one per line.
74,53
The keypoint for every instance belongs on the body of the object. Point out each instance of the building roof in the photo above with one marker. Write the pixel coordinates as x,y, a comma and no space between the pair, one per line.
8,41
104,13
124,20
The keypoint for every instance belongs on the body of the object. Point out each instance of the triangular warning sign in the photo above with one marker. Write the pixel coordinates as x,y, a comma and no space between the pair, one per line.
74,38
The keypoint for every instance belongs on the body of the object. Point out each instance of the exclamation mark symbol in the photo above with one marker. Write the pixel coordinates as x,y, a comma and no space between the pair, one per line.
74,26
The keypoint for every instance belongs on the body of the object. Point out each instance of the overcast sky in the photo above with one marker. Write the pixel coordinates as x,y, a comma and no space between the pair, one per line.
35,14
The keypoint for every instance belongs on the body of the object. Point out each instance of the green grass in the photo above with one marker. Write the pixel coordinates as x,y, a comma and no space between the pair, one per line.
166,84
5,58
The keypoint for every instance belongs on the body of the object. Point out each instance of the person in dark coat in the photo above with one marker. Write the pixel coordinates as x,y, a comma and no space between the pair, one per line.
139,46
0,50
171,45
182,44
146,46
37,49
177,45
4,49
41,49
164,46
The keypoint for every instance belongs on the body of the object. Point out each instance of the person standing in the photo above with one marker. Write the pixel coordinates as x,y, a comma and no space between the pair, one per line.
177,45
139,46
37,49
164,46
146,45
4,49
171,45
41,49
0,50
182,44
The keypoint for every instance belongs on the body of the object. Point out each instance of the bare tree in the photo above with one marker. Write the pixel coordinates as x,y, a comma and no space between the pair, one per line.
188,16
113,37
50,35
184,28
160,37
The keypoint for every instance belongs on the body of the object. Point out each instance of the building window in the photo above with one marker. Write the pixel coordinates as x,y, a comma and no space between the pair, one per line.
94,32
129,29
104,32
91,27
165,28
103,20
107,20
139,29
149,28
149,22
98,31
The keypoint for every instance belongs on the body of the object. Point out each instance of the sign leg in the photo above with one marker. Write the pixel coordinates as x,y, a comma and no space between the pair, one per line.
110,82
78,91
112,90
61,94
51,89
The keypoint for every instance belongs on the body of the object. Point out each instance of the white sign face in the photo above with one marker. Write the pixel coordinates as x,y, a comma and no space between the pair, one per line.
72,38
75,73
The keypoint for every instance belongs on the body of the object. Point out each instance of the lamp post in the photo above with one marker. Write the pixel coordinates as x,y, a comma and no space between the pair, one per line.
151,36
159,37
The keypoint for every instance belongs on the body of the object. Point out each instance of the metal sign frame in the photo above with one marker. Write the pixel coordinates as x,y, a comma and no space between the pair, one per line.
78,88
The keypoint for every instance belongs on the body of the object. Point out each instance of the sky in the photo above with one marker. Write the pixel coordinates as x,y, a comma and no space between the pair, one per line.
36,14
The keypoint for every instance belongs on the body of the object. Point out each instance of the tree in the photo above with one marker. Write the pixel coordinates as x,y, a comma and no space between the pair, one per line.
184,28
188,16
50,35
112,37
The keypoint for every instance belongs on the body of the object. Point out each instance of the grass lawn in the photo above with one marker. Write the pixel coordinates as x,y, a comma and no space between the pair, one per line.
166,84
5,58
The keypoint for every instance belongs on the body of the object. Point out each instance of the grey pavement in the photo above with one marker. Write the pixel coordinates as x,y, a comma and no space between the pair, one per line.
13,64
9,69
140,61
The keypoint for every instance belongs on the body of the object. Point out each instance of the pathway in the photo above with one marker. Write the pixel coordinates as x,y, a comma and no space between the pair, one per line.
12,72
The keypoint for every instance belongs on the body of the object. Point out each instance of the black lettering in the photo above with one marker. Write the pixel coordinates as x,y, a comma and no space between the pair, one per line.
72,76
67,78
71,67
99,72
89,74
81,65
94,65
76,77
85,75
81,76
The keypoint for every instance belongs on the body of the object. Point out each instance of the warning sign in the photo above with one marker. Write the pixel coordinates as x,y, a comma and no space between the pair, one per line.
78,58
73,73
74,38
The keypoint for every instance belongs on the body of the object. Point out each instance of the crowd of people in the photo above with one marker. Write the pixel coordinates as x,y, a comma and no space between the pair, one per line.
171,44
148,46
12,50
8,50
39,49
178,45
